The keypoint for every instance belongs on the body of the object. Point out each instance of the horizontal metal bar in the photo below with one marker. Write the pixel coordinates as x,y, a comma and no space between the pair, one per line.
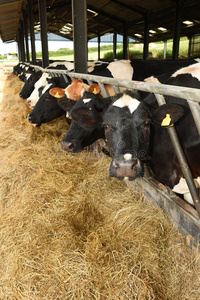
186,93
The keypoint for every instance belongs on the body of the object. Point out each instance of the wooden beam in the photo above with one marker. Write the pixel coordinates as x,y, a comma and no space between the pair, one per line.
7,2
11,17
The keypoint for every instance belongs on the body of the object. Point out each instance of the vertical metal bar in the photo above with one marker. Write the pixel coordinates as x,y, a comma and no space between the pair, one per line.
165,49
32,34
125,41
115,44
19,46
103,90
79,17
116,89
99,46
195,110
22,41
44,39
189,46
146,37
182,160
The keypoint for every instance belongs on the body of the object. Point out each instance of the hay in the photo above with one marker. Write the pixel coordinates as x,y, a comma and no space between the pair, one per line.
68,231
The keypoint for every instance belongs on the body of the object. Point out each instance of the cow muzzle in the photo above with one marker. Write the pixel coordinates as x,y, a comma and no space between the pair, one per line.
68,146
125,168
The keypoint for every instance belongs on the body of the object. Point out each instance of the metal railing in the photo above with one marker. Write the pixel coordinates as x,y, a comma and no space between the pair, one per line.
192,95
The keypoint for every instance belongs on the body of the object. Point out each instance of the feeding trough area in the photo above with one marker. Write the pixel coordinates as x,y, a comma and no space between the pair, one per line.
69,230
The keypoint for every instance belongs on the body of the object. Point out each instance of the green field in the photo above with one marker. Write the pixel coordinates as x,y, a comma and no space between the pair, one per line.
156,51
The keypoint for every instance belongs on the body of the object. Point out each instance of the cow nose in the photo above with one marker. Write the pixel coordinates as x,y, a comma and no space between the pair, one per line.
126,168
20,94
68,146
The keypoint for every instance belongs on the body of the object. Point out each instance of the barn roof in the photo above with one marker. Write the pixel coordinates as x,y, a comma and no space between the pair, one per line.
105,16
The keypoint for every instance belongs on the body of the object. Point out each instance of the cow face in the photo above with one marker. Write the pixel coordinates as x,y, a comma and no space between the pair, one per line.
39,85
77,136
127,124
29,85
46,108
112,118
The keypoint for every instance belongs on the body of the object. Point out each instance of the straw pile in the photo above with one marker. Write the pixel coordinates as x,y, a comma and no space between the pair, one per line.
68,231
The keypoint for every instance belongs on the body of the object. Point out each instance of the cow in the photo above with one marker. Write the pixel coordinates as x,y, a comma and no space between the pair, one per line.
29,84
23,71
46,108
136,132
78,137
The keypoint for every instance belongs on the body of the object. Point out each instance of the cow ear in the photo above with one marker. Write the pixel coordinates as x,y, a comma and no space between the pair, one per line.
65,103
86,117
57,92
94,88
167,114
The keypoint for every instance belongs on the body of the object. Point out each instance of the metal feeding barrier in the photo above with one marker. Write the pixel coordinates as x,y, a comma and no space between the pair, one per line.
192,95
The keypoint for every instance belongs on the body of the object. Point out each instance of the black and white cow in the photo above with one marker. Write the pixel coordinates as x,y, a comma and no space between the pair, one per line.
29,84
23,71
136,132
78,137
47,108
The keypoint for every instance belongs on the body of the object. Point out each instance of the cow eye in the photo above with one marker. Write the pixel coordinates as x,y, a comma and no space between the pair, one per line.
147,123
108,127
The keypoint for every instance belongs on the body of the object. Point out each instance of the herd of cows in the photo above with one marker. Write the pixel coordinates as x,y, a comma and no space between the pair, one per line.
131,122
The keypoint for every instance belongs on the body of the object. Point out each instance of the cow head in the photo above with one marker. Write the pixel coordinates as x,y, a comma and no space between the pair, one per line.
77,136
30,84
127,124
46,108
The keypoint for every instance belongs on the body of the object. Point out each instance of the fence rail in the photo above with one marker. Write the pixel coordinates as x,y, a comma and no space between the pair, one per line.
192,95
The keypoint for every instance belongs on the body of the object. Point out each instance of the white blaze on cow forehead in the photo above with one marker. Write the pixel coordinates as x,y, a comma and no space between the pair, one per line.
128,156
42,81
28,75
128,101
193,70
46,88
121,69
87,100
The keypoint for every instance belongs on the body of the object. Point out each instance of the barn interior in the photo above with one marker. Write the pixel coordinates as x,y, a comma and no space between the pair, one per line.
81,21
68,231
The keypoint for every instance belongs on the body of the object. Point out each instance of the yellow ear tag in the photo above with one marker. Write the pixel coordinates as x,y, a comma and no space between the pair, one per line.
166,121
95,91
57,95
